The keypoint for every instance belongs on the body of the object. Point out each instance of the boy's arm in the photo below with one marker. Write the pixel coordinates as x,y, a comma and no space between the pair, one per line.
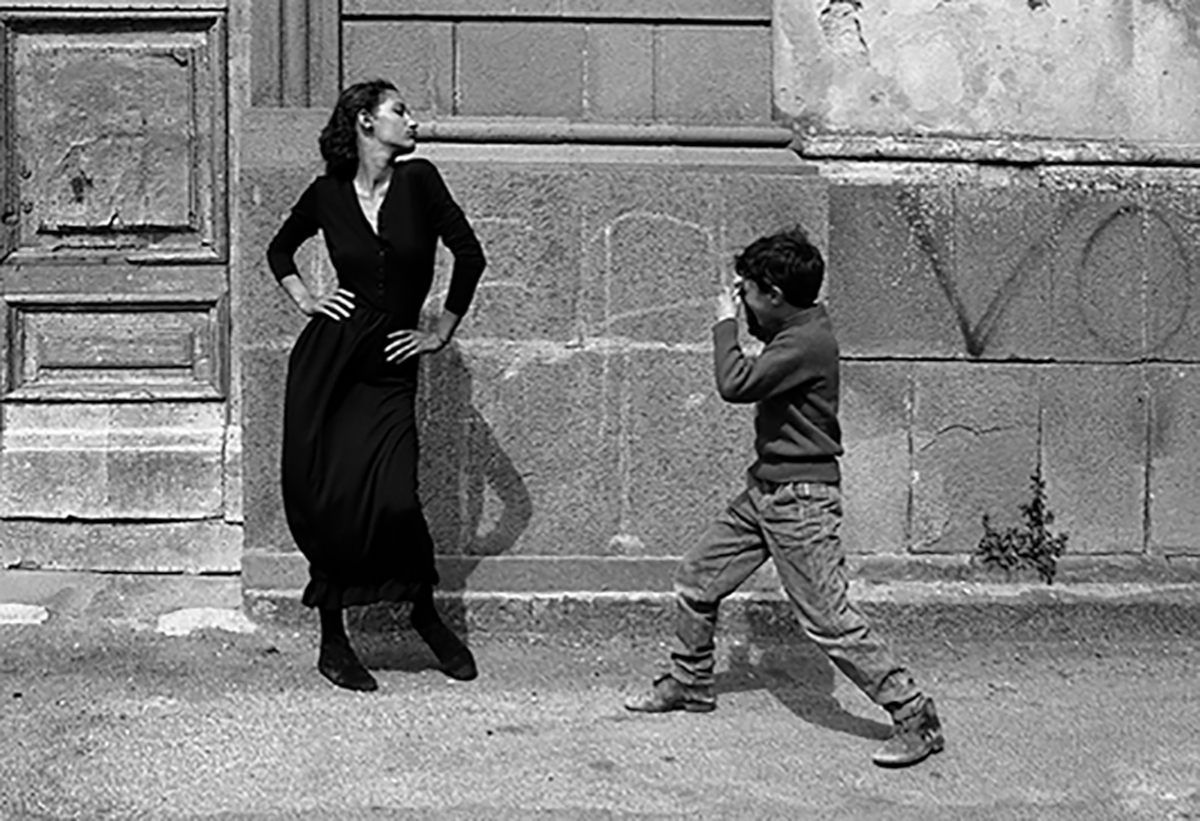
745,379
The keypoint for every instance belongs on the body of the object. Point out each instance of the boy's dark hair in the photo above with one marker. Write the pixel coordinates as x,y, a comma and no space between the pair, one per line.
338,140
786,260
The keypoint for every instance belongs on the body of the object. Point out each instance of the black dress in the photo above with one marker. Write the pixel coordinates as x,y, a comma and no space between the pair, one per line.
350,435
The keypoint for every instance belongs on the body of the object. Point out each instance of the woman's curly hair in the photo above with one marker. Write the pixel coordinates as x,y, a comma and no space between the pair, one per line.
339,137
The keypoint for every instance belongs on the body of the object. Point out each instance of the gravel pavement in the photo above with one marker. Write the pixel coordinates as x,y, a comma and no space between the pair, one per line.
103,720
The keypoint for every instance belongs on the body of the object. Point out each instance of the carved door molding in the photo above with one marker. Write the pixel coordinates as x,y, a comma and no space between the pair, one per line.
115,136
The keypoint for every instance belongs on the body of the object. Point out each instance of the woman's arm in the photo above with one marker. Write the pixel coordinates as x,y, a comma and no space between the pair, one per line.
458,236
456,233
302,224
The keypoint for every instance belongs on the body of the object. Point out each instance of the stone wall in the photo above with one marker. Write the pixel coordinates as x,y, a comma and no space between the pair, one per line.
1006,193
1030,320
1013,247
612,157
1014,295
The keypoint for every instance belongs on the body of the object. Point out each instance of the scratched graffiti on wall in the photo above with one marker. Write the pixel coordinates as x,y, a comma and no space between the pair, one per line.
1120,268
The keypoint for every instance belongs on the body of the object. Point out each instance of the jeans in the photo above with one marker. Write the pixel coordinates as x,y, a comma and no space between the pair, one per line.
796,525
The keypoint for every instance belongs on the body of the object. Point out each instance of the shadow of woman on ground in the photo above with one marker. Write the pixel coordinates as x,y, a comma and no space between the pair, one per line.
475,501
797,673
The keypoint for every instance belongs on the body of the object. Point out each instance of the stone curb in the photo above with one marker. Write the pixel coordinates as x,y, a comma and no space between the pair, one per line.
916,612
913,611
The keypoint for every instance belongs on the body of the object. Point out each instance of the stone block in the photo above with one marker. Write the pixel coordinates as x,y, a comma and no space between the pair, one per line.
112,547
518,447
1098,284
264,377
683,451
713,74
520,69
113,462
1094,428
234,490
172,482
997,282
266,315
1174,518
620,73
416,55
875,410
651,254
1172,248
42,482
1122,281
886,246
975,445
757,204
527,219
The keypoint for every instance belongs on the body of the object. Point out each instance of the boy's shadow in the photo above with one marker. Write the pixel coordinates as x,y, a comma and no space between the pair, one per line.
796,672
465,477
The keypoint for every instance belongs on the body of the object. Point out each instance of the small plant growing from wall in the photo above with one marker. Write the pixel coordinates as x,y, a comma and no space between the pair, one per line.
1029,546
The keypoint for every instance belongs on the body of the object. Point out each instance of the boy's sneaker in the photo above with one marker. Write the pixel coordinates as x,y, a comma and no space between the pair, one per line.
669,694
916,736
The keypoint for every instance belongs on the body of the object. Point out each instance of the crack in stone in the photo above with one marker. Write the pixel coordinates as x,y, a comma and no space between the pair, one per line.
971,429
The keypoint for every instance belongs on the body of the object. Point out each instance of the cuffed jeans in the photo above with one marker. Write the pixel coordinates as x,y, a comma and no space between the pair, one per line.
796,525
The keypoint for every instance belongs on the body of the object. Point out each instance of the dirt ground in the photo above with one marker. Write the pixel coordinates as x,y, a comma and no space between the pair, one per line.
104,721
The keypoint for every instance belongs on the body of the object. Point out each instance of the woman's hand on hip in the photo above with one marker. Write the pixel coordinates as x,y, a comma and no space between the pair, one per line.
402,345
337,306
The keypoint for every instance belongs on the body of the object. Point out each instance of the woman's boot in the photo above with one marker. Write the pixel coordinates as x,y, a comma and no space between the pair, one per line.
454,656
336,659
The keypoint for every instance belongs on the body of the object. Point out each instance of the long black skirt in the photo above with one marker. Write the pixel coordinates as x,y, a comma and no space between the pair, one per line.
349,467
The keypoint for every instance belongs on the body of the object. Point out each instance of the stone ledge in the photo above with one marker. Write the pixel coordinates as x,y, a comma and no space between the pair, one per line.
914,612
910,611
136,599
609,574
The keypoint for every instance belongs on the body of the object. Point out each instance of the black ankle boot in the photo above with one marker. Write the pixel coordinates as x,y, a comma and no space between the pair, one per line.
454,656
338,663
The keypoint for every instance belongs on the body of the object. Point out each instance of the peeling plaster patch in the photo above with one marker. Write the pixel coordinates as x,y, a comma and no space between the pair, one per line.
929,72
1189,18
842,28
182,622
625,544
81,183
22,614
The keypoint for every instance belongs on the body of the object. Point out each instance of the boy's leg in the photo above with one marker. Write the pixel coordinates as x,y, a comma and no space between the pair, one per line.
729,552
801,524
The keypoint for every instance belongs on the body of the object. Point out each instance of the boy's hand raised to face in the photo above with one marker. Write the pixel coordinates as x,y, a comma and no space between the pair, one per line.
727,302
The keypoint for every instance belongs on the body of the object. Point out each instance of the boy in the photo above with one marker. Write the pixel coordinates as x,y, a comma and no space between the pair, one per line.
791,508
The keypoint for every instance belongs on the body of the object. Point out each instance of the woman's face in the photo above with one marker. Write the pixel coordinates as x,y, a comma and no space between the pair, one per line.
392,125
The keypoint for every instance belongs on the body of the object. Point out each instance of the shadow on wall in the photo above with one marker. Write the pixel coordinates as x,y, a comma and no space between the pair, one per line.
474,499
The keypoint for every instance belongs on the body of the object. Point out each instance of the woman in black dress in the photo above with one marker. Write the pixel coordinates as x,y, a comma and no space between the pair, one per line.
350,433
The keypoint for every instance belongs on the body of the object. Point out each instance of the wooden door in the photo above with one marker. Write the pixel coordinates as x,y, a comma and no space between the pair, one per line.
116,448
